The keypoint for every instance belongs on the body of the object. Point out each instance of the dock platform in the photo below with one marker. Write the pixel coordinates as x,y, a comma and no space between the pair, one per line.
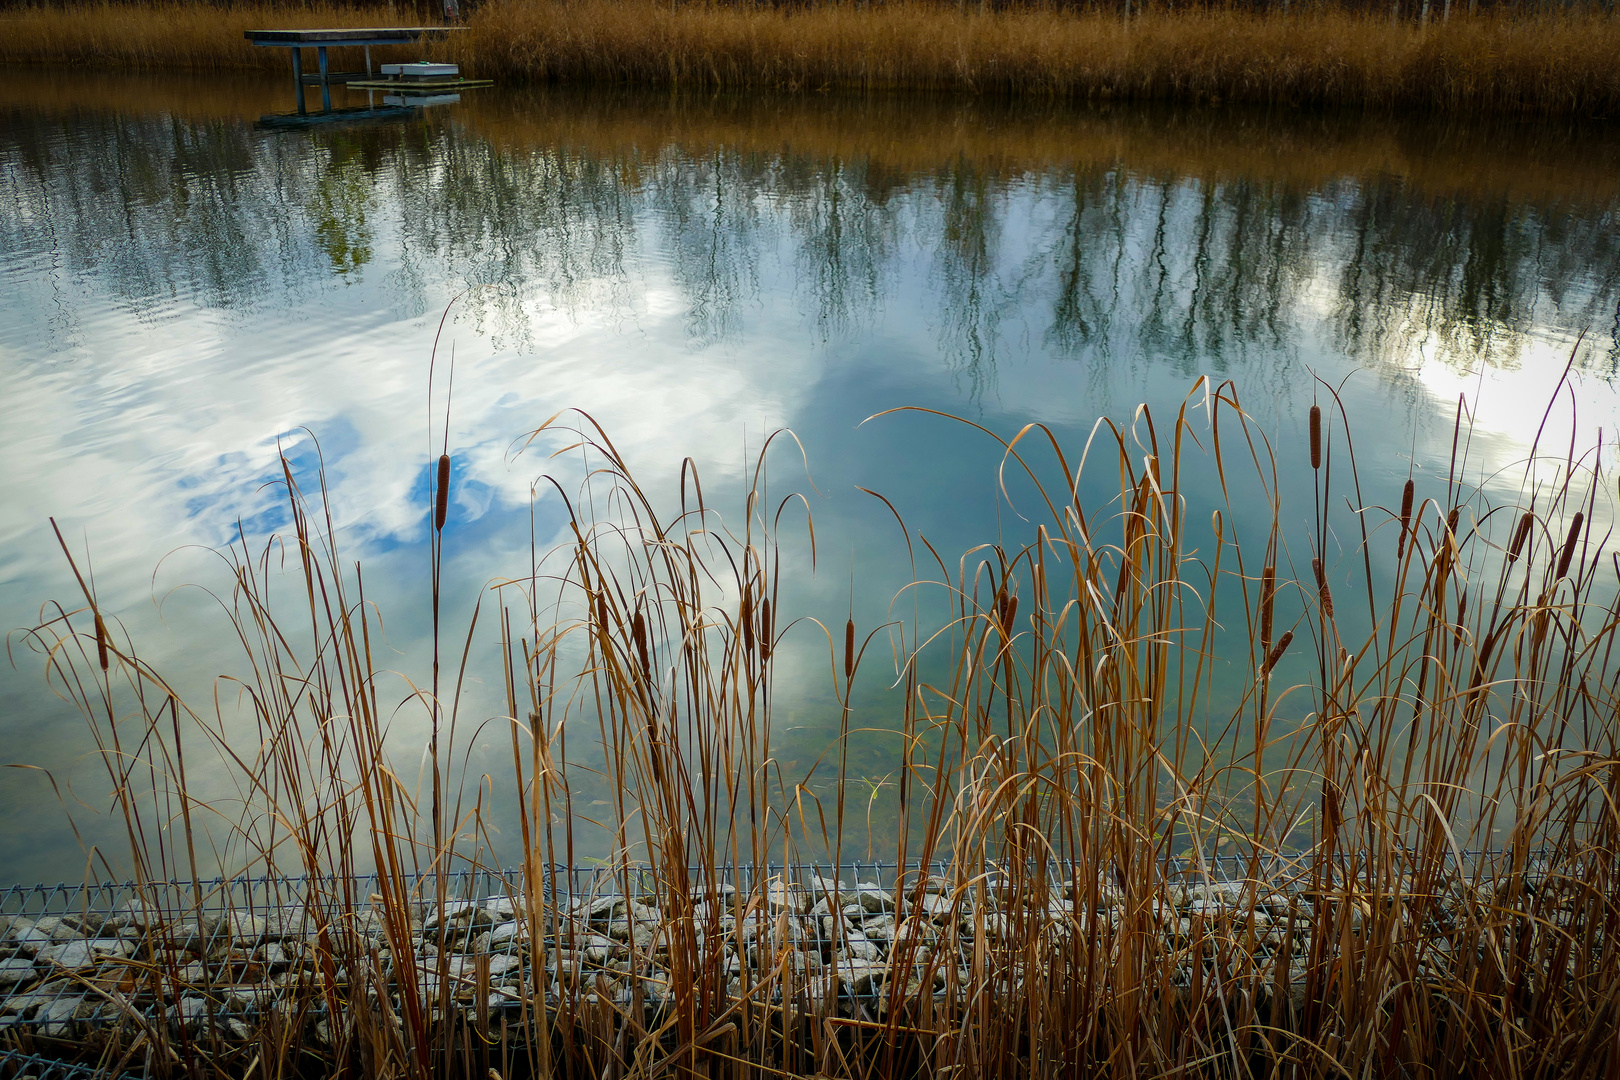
435,86
322,39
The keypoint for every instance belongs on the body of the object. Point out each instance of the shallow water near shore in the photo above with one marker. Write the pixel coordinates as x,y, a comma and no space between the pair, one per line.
187,294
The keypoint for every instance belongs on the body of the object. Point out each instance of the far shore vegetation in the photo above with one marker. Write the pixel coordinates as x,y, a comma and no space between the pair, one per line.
1430,55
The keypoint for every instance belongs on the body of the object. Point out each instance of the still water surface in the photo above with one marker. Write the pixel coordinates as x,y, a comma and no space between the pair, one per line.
184,295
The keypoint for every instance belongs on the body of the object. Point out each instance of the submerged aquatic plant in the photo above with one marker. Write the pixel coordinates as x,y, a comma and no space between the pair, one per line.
1388,846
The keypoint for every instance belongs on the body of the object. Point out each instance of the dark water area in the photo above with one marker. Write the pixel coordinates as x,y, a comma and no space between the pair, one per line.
185,295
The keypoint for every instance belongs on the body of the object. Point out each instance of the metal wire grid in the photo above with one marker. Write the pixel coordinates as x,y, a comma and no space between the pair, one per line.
196,918
177,900
18,1065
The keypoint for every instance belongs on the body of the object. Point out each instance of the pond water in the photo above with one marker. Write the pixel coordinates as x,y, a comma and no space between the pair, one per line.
185,293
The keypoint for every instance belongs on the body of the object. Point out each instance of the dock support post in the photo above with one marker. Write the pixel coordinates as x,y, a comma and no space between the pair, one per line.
326,87
298,76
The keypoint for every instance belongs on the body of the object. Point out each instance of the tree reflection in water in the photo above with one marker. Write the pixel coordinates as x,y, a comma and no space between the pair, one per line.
1077,234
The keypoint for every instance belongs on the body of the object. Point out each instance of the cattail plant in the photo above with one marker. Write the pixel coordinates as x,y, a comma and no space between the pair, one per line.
1096,860
1407,494
441,493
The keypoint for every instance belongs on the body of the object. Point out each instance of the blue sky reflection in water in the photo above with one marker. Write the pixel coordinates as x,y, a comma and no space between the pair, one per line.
185,296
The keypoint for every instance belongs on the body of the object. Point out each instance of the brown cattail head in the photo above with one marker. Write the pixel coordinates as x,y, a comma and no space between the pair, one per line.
1007,611
638,631
1406,516
765,628
1268,600
1520,535
1316,437
1322,589
1277,651
441,498
1568,553
849,649
1451,520
745,618
101,642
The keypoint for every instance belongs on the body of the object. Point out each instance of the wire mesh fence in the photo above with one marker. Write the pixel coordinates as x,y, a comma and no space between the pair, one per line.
216,960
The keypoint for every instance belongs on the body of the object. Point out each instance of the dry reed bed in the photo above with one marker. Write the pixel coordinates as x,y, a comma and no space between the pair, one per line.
1545,65
1062,759
201,37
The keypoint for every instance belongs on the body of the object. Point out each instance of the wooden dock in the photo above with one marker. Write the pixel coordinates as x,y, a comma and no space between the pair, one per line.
321,40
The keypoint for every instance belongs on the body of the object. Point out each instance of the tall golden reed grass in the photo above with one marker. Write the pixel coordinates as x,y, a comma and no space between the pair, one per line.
1064,764
1548,64
201,37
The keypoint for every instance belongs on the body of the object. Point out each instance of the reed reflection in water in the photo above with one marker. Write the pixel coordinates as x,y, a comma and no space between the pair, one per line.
183,292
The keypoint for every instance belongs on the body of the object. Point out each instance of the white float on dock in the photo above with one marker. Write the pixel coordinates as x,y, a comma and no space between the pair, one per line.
421,71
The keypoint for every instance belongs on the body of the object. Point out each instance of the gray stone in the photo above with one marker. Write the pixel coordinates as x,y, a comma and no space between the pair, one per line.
13,972
912,932
874,899
286,923
191,1013
504,934
721,891
859,976
78,954
1221,893
50,930
782,896
193,974
194,936
599,908
641,934
249,996
825,888
138,914
25,1003
458,913
861,948
246,926
54,1018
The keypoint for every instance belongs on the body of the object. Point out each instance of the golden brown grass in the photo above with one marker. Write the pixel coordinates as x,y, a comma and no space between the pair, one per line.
1329,58
1061,756
1543,64
203,37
